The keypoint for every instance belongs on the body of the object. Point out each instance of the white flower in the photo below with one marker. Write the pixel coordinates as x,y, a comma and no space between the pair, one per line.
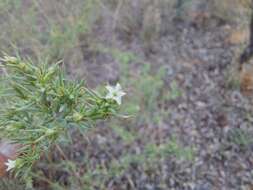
115,93
10,164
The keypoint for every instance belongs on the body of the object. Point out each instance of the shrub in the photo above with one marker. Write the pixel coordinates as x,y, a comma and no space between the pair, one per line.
39,105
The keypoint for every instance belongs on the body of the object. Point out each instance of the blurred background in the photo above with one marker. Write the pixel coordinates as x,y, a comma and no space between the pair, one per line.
191,125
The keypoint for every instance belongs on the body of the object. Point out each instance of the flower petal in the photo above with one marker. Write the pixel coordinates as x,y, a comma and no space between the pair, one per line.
118,99
118,87
115,93
109,88
10,164
109,96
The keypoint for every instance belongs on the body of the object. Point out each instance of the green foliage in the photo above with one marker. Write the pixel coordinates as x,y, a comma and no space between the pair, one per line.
46,28
56,29
175,91
232,79
240,138
6,184
123,57
150,154
127,136
170,148
40,104
146,159
148,93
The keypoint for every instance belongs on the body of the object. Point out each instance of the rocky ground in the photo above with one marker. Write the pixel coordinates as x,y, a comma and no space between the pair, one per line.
210,111
212,116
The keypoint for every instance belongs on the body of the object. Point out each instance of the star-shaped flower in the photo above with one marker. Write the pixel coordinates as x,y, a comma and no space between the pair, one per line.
115,93
10,164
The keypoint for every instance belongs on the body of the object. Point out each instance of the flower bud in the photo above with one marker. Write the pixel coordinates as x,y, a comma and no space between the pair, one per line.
9,59
77,117
23,66
50,132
